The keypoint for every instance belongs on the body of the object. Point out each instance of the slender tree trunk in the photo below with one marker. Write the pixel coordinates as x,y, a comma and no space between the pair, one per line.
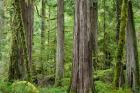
105,50
93,39
48,55
1,26
82,81
94,25
118,15
119,73
60,43
18,68
132,53
43,30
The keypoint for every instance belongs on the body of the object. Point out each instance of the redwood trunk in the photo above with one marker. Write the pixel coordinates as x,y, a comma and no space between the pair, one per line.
82,81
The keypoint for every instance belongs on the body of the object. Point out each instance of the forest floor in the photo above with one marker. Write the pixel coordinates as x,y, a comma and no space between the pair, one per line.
103,84
100,88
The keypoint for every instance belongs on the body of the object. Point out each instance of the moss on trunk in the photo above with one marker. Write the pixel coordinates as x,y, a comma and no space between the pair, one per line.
19,60
119,74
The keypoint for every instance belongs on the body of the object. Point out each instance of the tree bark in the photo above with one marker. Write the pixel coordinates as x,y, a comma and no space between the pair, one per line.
119,74
118,15
43,30
82,81
132,67
28,17
1,26
19,62
93,37
60,43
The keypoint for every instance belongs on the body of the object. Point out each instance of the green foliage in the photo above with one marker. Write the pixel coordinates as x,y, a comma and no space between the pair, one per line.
104,75
4,87
24,87
107,88
53,90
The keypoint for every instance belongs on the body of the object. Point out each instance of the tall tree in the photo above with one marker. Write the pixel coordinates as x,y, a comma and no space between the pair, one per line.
1,26
118,14
132,53
82,81
93,37
28,20
119,74
60,43
94,27
19,60
43,29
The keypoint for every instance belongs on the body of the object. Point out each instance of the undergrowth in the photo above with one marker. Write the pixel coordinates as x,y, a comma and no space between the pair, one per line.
101,87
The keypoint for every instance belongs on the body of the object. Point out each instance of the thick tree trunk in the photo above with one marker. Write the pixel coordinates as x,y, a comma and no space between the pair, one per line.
82,81
60,43
75,70
19,61
28,17
119,74
132,67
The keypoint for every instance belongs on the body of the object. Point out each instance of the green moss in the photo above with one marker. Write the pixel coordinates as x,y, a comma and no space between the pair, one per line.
118,77
19,53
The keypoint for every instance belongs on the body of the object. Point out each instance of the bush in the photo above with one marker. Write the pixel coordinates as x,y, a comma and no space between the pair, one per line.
23,87
4,87
104,75
102,87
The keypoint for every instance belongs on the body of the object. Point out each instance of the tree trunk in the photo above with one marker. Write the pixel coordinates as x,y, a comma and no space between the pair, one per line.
18,68
48,38
94,27
43,30
132,67
60,43
82,81
118,15
119,74
1,26
28,17
93,37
